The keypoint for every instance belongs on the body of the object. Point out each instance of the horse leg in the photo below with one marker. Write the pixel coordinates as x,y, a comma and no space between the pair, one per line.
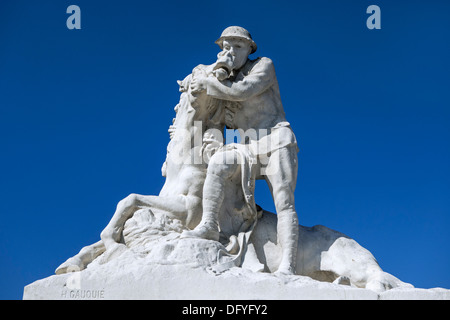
80,261
112,234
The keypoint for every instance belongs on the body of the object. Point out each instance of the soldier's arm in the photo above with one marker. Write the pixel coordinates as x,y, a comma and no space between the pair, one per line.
257,81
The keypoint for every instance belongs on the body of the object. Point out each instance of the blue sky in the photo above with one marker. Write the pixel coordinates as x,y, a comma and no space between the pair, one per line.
84,117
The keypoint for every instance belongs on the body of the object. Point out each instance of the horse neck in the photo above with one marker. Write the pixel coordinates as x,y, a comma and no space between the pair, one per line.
191,113
190,123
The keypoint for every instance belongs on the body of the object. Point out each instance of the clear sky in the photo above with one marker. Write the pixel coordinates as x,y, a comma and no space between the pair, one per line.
84,117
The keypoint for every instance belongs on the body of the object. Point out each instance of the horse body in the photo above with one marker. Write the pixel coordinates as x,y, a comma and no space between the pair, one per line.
323,254
181,196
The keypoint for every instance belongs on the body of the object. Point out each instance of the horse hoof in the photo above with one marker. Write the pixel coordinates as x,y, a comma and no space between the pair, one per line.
70,265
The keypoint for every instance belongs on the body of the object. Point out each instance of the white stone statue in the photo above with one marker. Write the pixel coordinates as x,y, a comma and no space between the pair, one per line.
205,216
268,140
181,195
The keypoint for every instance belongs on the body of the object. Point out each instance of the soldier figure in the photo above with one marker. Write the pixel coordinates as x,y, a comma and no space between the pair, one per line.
252,86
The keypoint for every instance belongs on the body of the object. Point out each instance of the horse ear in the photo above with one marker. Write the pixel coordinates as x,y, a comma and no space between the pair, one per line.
183,87
184,84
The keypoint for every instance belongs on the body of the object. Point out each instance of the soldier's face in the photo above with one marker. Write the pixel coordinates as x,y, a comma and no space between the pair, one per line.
239,51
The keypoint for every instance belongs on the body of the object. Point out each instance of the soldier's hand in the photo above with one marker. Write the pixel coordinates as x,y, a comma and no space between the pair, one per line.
198,84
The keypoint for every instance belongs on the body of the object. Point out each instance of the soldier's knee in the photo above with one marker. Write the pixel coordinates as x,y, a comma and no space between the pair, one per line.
222,170
222,164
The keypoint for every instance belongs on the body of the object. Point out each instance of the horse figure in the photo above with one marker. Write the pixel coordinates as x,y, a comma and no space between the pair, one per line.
184,168
323,254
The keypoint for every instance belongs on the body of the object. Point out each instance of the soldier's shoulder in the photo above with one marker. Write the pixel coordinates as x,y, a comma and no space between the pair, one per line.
262,64
263,60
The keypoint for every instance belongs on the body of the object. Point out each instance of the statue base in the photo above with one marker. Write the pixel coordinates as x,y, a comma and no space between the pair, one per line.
177,282
157,263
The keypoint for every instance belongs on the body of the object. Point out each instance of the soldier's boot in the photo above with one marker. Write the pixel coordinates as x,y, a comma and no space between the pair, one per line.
213,195
288,238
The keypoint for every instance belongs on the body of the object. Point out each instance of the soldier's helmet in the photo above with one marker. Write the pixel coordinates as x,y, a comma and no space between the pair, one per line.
236,32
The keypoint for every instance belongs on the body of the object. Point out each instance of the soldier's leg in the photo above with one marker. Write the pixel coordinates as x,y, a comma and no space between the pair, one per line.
281,175
222,166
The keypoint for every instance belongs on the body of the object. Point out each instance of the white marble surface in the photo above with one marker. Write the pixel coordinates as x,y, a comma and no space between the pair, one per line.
203,236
